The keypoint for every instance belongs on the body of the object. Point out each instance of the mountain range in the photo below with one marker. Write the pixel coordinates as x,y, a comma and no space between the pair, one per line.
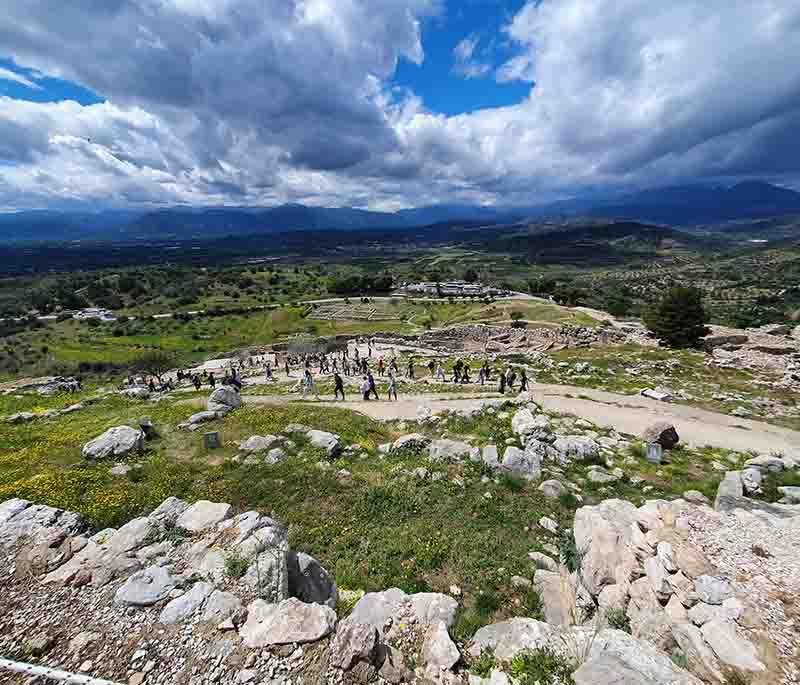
675,206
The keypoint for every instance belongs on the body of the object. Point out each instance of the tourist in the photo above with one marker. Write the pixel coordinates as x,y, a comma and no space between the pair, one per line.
523,381
338,386
365,388
309,385
411,368
392,386
440,372
269,372
502,384
481,376
431,368
372,390
380,366
465,374
211,380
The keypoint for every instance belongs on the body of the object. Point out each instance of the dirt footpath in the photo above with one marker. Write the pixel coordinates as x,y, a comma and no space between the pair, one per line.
626,413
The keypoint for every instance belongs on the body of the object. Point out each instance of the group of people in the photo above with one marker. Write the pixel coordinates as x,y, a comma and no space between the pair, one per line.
347,362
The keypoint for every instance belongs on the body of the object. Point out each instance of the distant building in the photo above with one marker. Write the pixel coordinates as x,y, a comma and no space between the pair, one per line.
453,289
94,313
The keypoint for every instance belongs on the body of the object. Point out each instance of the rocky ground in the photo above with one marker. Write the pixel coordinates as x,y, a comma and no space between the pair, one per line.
671,592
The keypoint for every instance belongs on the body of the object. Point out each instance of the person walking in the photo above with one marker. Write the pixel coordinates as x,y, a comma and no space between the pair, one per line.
411,368
481,376
338,386
380,367
465,374
440,372
211,380
372,390
365,388
432,368
392,387
269,372
502,384
308,385
523,381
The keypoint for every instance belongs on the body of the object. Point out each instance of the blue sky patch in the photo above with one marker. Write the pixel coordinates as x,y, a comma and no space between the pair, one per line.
20,83
463,49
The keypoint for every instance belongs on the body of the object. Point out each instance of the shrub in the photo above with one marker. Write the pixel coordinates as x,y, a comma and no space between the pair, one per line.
618,619
236,565
568,550
541,666
483,665
679,319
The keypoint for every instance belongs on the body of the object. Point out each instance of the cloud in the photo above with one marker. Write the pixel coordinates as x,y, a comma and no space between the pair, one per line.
465,63
263,101
8,75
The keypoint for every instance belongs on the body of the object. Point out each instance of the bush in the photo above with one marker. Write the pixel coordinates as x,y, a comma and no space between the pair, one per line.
541,666
236,565
568,550
618,619
679,319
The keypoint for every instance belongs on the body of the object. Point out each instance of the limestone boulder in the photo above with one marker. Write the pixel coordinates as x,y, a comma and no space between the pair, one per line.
414,442
204,515
115,442
145,588
329,442
288,622
663,433
616,657
576,448
257,443
224,399
445,450
508,638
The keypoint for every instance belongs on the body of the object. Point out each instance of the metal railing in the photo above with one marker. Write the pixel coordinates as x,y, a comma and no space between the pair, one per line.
53,673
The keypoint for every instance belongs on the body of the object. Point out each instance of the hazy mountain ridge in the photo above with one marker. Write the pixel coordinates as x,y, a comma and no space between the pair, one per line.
677,205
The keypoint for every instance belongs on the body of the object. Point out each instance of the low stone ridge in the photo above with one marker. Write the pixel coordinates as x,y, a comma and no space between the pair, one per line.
255,611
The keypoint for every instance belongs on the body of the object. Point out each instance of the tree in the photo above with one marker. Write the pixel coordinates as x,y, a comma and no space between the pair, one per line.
679,319
471,276
156,363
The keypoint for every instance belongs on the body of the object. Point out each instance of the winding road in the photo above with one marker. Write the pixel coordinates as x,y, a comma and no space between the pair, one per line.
629,414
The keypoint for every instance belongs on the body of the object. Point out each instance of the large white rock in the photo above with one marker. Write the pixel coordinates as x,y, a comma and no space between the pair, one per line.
616,657
184,607
712,590
325,441
523,422
145,588
700,658
508,638
525,463
439,653
224,399
604,535
558,597
572,447
257,443
415,442
376,608
290,621
450,450
115,442
203,515
731,648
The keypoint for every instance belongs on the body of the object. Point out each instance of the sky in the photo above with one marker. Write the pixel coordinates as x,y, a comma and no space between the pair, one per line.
386,104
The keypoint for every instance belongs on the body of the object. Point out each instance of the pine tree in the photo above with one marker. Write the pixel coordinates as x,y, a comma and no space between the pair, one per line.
679,319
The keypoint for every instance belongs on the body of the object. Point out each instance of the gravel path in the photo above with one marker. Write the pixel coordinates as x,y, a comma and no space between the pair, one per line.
629,414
